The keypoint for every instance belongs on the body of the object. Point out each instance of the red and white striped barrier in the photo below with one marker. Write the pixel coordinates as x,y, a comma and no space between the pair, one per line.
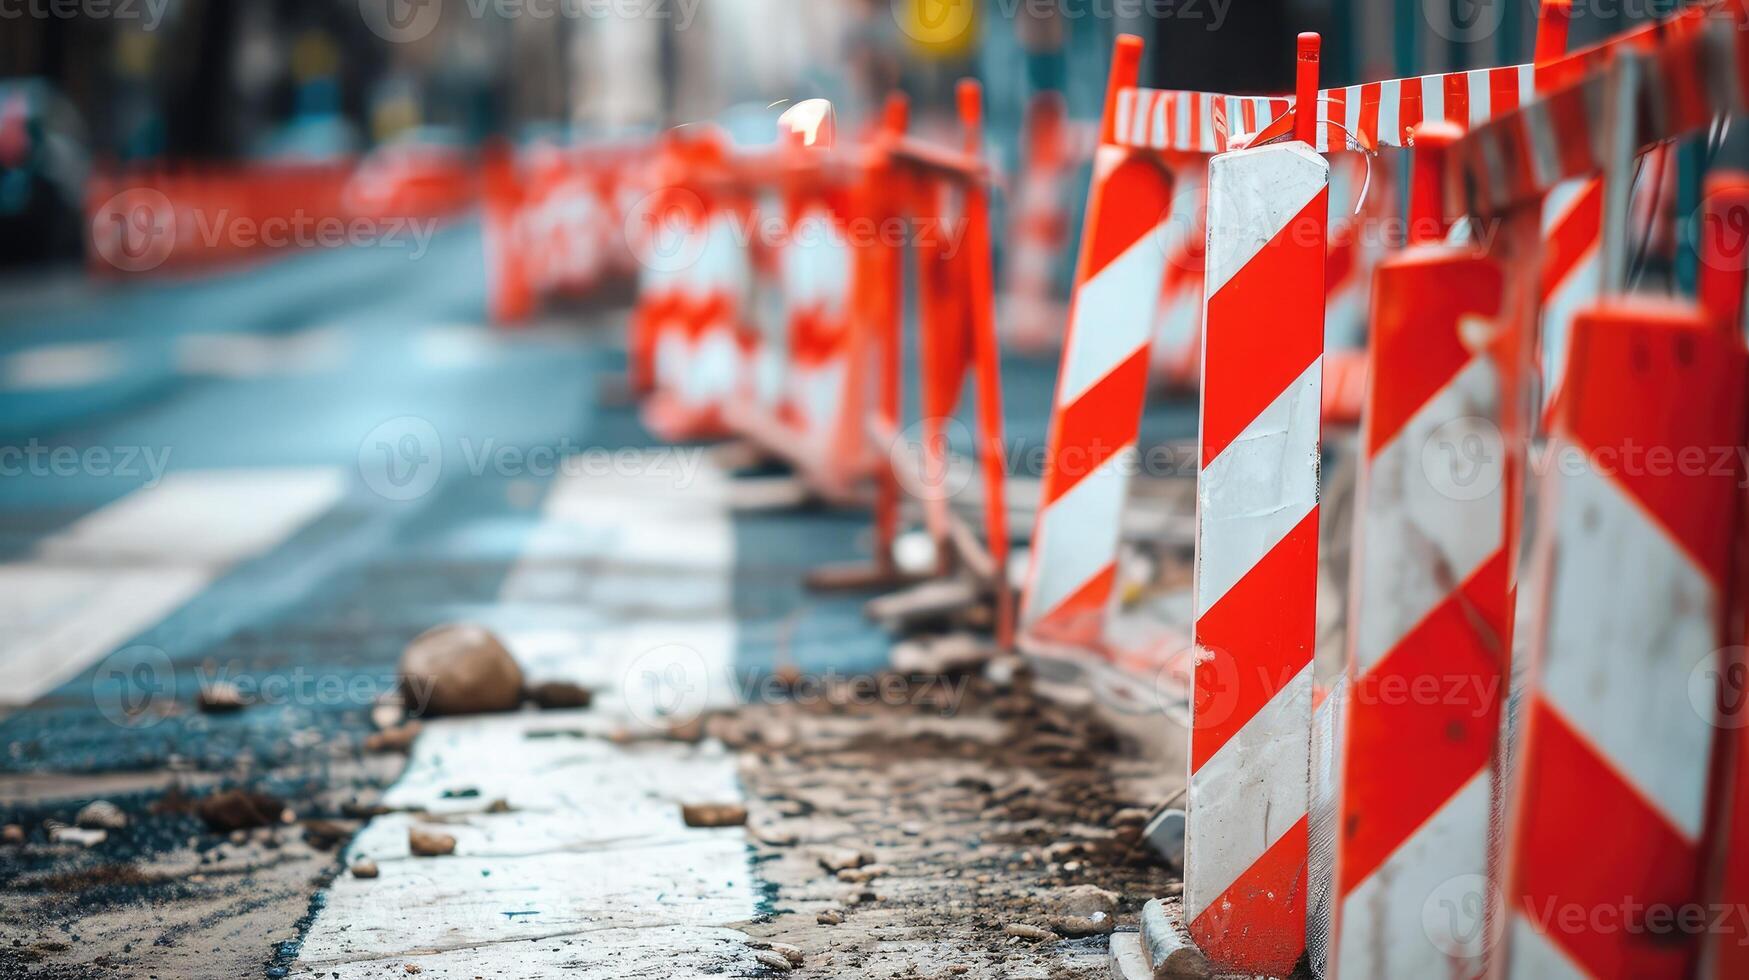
1430,600
1039,228
1177,348
1632,565
1245,855
1101,386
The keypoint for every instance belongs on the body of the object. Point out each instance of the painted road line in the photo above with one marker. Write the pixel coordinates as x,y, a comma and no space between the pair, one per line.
591,873
251,355
56,366
111,575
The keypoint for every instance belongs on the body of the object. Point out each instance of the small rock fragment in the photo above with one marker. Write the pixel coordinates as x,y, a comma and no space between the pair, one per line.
459,669
221,697
714,814
364,868
1021,930
561,696
325,835
12,835
84,837
429,843
1084,910
238,809
772,960
397,739
830,917
862,875
792,954
101,815
836,859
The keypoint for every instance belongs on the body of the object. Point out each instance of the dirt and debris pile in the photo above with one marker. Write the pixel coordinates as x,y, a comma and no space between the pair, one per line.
950,823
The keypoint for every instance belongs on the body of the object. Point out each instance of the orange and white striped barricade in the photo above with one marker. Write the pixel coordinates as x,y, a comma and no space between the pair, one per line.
959,334
1102,382
1630,566
699,275
1039,227
510,295
1722,241
1096,417
1176,353
1430,605
1633,563
1245,848
1723,246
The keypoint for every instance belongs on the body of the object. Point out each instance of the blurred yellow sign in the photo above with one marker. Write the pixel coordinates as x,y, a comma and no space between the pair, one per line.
942,28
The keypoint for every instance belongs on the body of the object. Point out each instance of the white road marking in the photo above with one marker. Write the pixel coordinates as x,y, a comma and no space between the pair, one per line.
250,355
54,366
116,572
592,873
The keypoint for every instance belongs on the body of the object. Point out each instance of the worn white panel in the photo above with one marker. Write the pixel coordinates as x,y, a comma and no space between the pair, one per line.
1401,921
1114,310
1535,955
1259,784
1419,540
1078,534
1629,615
1258,489
1253,194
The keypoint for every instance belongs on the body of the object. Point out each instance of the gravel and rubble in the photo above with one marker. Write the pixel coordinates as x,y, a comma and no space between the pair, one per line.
982,834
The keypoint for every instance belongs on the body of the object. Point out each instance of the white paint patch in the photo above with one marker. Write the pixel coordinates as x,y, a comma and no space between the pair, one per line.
116,572
455,345
592,873
56,366
247,355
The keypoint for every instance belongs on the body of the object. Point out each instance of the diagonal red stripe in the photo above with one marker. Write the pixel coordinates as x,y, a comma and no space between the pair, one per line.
1419,301
1574,236
1264,327
1135,198
1095,426
1589,851
1657,397
1258,925
1422,723
1255,640
1079,620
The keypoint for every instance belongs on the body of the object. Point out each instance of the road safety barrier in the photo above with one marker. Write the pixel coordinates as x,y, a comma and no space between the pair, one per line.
1256,591
817,378
554,220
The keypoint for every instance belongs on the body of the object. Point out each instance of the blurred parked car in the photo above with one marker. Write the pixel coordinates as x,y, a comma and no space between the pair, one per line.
44,162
